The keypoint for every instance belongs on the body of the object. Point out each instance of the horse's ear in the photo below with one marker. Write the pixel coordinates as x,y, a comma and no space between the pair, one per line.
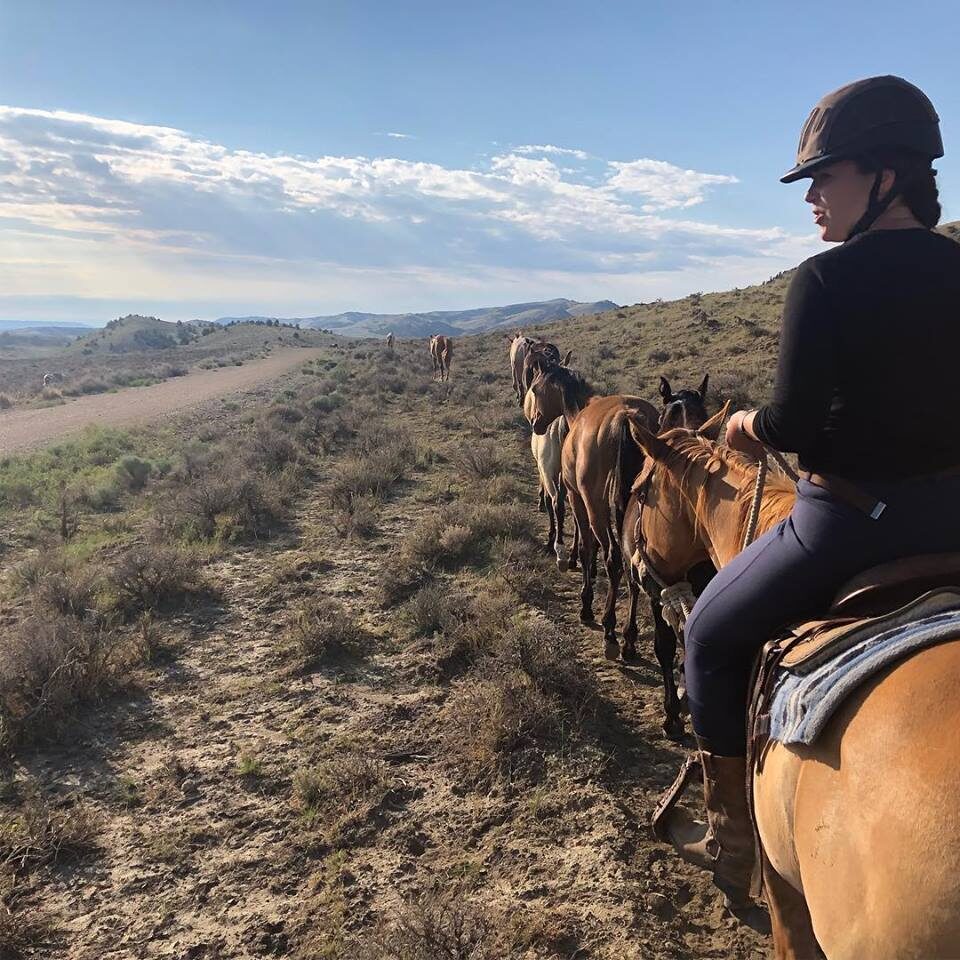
646,439
565,362
702,389
665,390
711,429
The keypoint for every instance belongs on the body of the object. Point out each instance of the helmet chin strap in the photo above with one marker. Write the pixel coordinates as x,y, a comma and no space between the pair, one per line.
876,206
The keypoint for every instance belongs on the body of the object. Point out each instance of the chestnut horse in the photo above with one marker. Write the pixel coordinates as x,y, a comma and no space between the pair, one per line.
598,464
682,409
441,352
861,830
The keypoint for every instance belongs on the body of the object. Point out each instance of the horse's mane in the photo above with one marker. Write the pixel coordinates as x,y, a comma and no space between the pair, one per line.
689,450
571,383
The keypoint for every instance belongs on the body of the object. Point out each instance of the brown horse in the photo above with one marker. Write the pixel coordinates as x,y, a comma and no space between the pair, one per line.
598,464
682,409
441,352
541,356
861,830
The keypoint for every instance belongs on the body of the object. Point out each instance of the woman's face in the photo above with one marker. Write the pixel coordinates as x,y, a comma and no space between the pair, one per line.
839,195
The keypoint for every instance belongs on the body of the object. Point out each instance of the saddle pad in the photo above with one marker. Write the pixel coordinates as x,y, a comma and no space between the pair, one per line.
802,703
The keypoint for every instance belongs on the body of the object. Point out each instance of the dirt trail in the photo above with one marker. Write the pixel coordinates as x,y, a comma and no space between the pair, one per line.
24,430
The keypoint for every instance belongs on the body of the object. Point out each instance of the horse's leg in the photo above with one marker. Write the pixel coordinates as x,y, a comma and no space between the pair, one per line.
573,557
793,937
541,498
588,556
552,536
613,562
559,507
665,648
630,633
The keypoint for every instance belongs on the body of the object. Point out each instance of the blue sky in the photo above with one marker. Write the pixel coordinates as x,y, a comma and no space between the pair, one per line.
209,158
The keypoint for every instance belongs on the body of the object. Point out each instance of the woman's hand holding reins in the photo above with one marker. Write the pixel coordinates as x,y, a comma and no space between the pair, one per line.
739,435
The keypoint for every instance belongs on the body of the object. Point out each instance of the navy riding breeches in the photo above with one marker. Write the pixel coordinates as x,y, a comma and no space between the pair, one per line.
792,572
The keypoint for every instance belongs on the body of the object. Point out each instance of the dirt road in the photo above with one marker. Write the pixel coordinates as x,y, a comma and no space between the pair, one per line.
25,430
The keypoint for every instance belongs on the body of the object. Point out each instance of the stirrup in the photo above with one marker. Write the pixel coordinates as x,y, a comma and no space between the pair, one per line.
668,801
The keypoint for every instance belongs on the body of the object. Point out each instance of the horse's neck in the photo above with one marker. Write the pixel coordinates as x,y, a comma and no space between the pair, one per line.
724,523
572,409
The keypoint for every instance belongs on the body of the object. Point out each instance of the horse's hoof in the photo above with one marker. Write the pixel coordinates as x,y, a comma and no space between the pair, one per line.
673,729
562,565
611,650
586,616
629,650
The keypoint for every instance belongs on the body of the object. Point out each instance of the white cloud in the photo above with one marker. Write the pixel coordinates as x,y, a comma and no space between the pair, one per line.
662,184
98,198
549,148
401,136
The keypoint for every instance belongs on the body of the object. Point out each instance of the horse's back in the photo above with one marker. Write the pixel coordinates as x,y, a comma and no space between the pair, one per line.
869,816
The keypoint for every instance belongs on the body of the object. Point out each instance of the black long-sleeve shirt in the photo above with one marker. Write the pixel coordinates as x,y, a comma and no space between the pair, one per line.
867,382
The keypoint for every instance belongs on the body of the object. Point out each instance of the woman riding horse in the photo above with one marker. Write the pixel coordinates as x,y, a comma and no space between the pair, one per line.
866,368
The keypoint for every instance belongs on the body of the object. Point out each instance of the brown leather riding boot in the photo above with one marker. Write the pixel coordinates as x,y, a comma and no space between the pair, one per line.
724,844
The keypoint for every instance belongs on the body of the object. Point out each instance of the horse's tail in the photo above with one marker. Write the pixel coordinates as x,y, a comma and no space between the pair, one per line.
626,466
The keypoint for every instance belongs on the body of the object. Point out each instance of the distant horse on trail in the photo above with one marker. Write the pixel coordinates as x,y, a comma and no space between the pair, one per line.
521,348
598,464
49,378
390,340
441,352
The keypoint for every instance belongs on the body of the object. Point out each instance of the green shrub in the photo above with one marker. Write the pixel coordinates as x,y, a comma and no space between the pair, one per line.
133,473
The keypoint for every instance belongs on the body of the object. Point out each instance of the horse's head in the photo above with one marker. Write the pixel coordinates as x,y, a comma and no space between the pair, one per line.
669,486
685,408
543,401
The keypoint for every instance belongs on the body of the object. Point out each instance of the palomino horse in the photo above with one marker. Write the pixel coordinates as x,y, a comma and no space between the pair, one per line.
546,449
682,409
441,352
598,464
861,830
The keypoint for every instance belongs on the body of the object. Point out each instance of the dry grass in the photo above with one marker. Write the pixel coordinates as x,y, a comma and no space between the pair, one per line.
339,796
154,577
438,924
325,632
37,835
50,666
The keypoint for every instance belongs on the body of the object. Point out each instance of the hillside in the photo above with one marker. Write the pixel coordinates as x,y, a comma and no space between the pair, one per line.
451,322
135,333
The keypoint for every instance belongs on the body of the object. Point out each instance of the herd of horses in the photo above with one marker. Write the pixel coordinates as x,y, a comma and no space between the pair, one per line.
859,832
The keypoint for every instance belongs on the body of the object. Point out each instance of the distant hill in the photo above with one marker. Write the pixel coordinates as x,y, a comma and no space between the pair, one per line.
41,328
135,333
450,322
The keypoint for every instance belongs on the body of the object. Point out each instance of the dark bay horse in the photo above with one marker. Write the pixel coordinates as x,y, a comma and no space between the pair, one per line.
598,464
861,830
